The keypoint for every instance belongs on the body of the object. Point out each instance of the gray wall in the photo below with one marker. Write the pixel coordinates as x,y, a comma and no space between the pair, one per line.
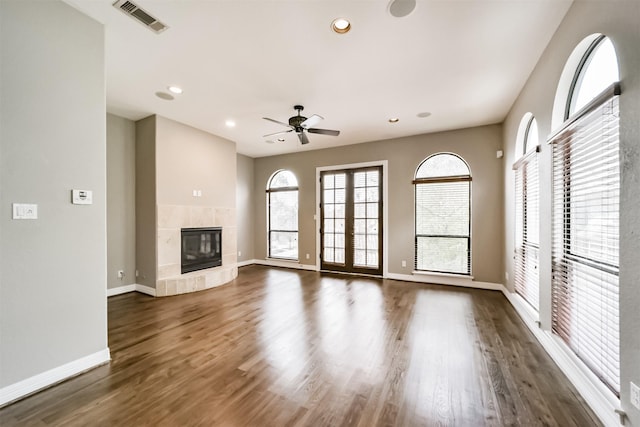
145,156
245,206
619,21
190,159
476,145
121,201
52,139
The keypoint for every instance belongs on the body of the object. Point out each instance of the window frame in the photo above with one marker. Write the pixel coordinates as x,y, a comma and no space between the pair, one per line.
594,269
436,180
522,244
269,191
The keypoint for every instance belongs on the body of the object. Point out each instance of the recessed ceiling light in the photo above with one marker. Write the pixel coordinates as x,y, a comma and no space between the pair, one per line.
230,123
394,120
280,139
341,25
164,95
423,114
175,89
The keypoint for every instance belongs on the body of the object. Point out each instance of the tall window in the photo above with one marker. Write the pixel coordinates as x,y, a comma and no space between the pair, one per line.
282,209
586,190
443,212
527,246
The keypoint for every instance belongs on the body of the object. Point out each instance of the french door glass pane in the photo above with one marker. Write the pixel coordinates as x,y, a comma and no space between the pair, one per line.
365,222
334,199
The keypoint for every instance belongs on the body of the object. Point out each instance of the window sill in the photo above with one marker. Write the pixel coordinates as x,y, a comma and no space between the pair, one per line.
440,275
291,260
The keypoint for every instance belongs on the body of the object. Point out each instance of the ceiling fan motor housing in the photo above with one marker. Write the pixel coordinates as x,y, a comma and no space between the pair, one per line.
296,121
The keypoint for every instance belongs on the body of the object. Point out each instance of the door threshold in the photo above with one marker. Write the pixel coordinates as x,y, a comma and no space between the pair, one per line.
375,276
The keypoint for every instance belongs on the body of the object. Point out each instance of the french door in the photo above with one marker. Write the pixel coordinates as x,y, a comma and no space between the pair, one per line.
351,220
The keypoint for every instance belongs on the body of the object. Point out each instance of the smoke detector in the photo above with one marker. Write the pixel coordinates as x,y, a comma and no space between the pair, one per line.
140,15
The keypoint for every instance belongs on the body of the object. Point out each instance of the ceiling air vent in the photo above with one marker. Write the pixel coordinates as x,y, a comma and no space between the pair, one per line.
140,15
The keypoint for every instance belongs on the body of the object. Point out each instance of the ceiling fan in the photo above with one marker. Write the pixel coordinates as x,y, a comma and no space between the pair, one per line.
300,123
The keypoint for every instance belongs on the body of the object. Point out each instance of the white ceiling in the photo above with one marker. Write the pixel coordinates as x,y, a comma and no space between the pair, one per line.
463,61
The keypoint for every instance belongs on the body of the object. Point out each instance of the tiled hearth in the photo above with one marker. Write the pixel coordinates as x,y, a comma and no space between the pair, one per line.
171,219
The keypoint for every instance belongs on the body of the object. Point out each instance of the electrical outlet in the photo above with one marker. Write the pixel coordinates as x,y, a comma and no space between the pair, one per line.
635,395
506,275
239,253
307,256
120,274
404,263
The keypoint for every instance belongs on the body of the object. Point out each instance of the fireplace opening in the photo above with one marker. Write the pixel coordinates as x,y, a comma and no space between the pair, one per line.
201,248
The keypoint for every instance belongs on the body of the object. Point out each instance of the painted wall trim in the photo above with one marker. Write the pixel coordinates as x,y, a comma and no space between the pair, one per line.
285,264
131,288
601,400
24,388
121,290
444,280
246,262
146,290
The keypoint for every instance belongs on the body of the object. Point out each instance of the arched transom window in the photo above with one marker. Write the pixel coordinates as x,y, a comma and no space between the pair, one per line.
443,215
597,70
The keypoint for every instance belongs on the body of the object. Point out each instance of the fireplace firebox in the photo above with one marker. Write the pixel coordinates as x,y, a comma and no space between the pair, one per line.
201,248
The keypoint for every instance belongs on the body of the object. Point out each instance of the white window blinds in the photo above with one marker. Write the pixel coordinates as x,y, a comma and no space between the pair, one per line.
586,189
527,245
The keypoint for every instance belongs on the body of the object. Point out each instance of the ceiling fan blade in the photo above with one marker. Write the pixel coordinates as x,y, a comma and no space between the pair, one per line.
324,131
280,123
303,138
311,121
277,133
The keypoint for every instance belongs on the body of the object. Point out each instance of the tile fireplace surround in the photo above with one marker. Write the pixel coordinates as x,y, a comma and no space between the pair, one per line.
171,219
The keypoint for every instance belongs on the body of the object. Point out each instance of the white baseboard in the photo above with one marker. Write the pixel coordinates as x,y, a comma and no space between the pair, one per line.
146,290
131,288
599,398
246,262
446,280
121,290
286,264
53,376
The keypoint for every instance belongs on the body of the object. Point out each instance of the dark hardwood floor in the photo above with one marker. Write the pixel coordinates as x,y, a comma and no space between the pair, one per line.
281,347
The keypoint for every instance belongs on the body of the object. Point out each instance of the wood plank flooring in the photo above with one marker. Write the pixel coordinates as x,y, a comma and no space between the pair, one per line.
280,347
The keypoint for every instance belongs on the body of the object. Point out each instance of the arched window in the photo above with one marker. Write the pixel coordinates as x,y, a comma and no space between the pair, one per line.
597,70
443,215
282,212
527,242
531,138
586,194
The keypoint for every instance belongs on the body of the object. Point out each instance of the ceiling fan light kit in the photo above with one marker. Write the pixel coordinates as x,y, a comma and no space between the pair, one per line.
299,124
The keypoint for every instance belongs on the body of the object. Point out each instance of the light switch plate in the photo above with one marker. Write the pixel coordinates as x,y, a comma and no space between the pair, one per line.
25,211
82,197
